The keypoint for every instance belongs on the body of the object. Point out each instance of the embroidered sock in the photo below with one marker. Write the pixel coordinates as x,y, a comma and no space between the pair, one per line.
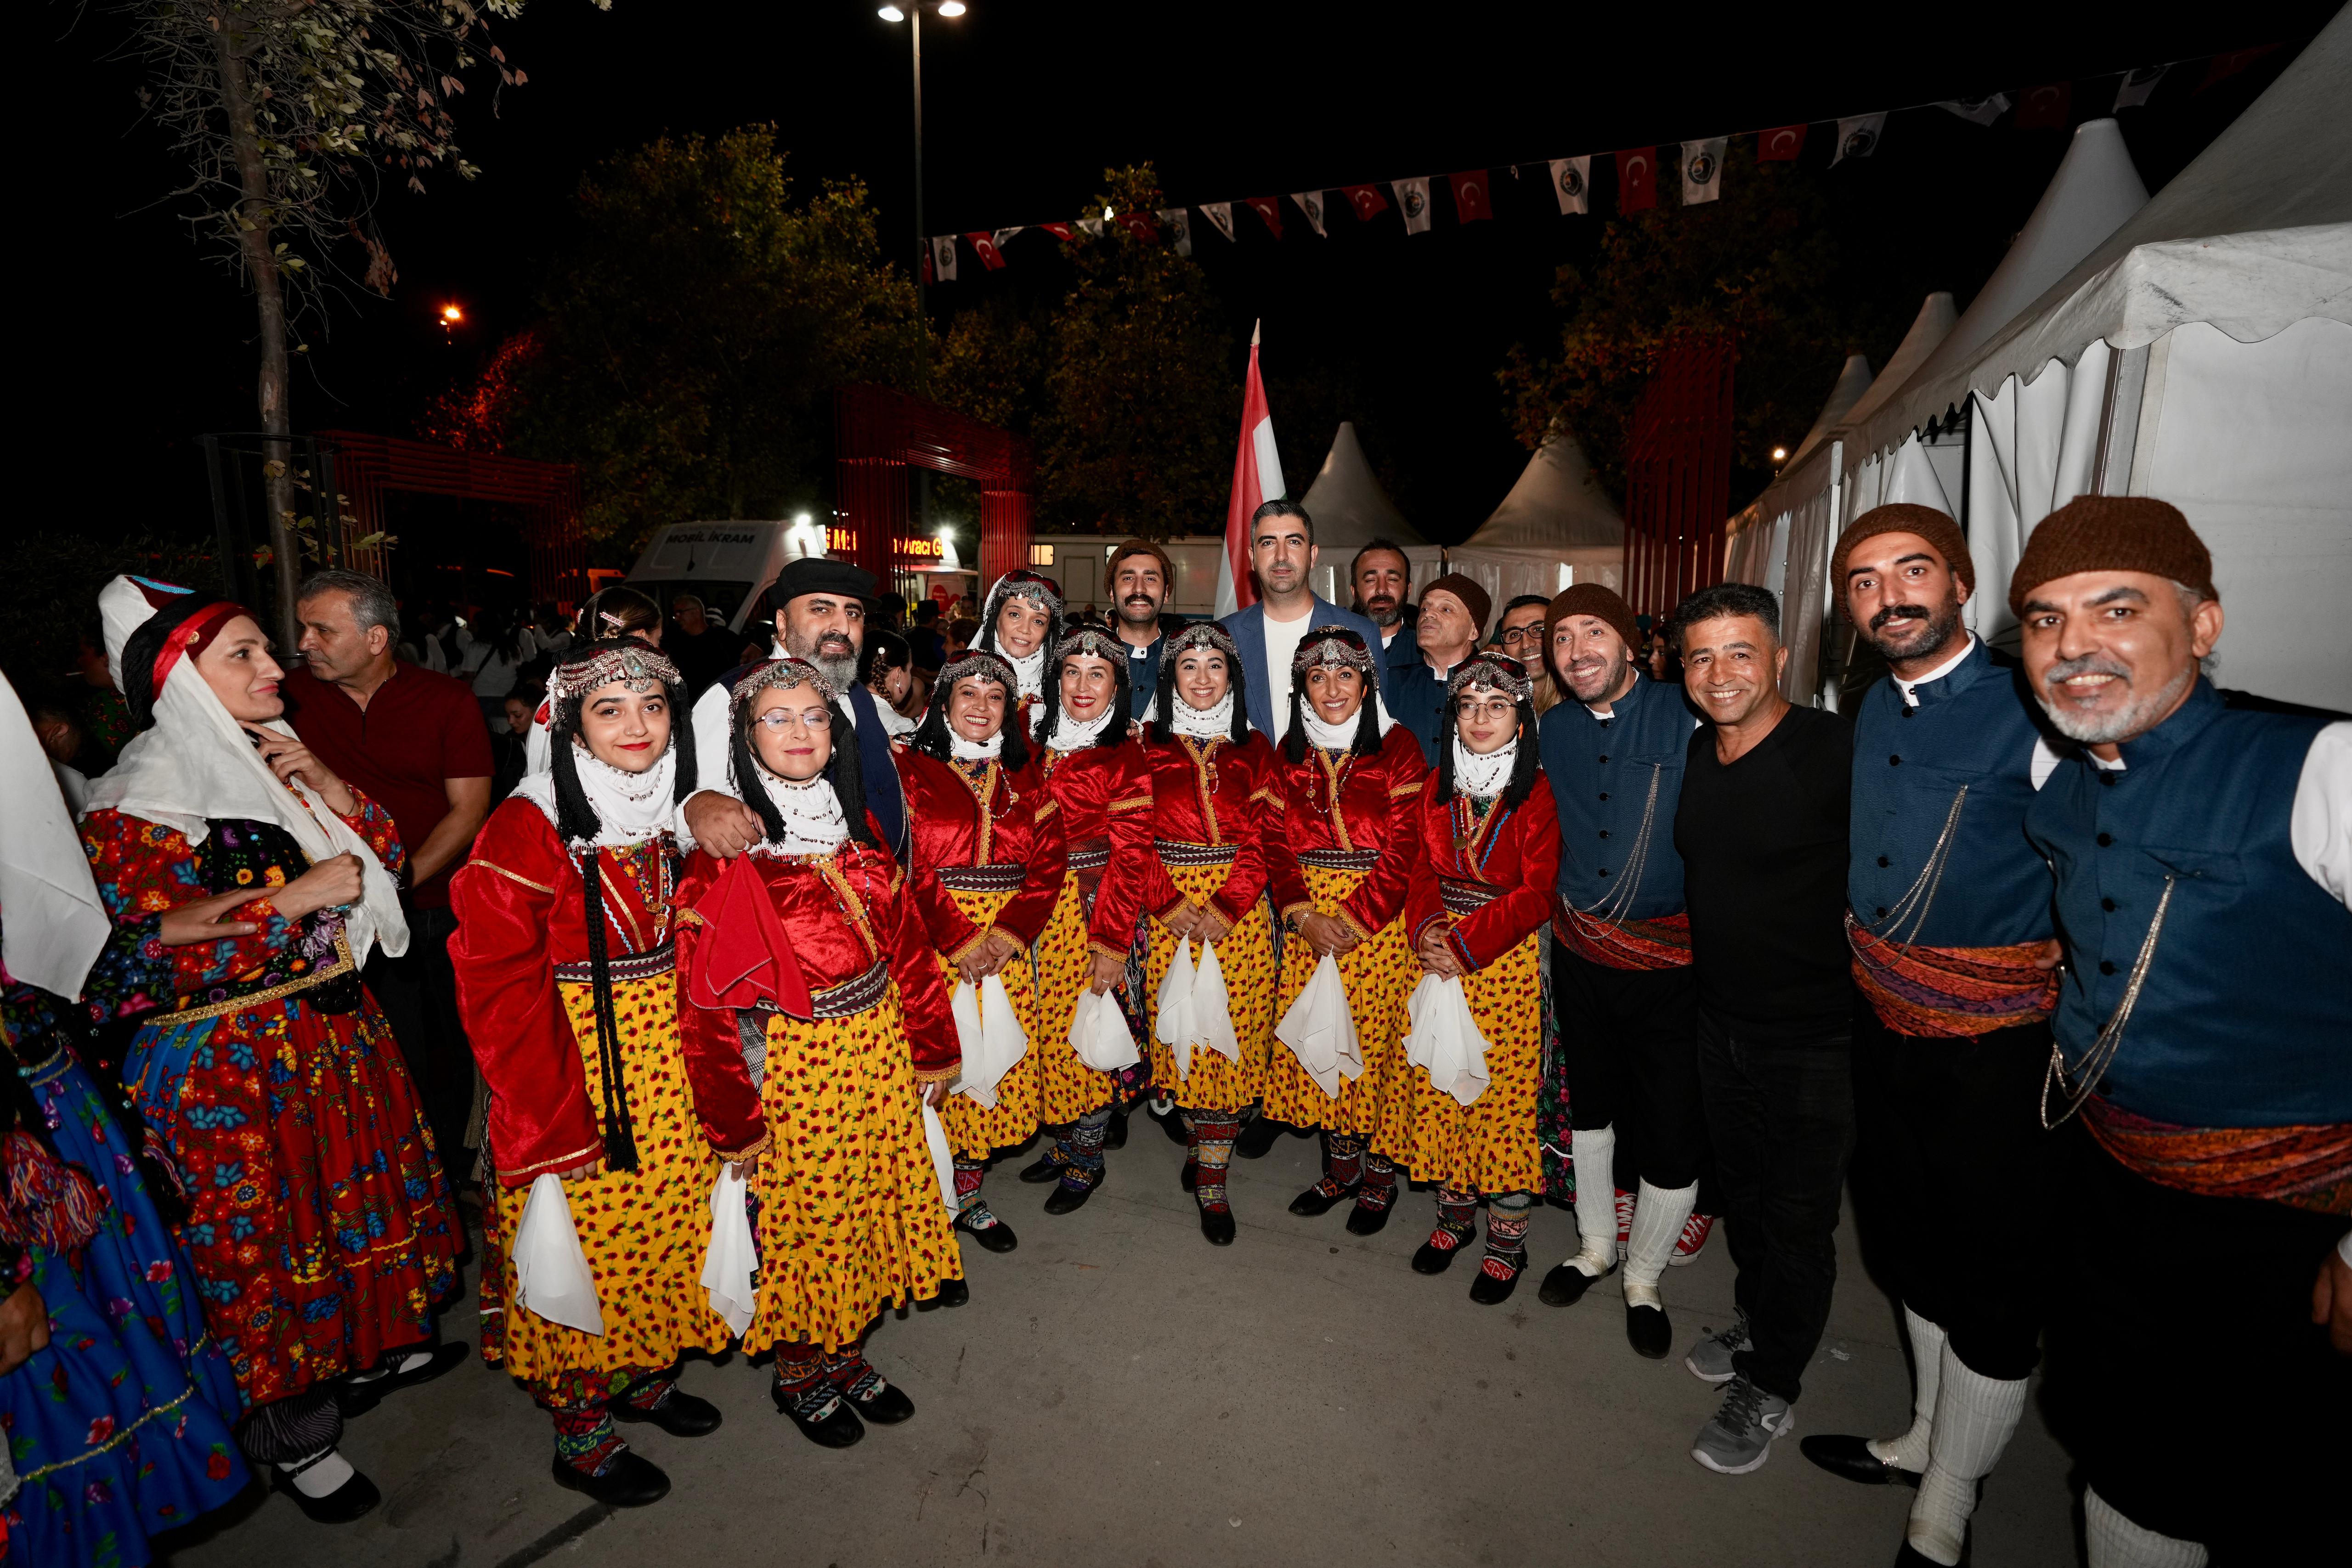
2115,1542
1457,1220
1590,1154
649,1394
1212,1152
1343,1162
1975,1417
1658,1216
972,1210
1507,1234
585,1438
1380,1188
321,1475
851,1374
1084,1167
1911,1449
801,1385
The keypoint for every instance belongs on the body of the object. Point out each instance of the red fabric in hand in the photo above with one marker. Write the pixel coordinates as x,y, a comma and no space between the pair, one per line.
744,957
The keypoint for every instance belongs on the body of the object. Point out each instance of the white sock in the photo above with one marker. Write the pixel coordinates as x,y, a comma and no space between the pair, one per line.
1658,1216
415,1360
323,1477
1592,1154
2116,1543
1975,1417
1911,1449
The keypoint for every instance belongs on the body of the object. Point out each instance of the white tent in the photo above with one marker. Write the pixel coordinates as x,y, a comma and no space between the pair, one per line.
1554,529
1350,510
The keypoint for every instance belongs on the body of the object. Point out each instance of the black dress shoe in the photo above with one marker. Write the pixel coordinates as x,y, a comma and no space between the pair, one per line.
1190,1176
1173,1125
631,1480
1648,1331
952,1293
1115,1131
1363,1221
838,1428
1067,1200
996,1238
359,1398
1217,1225
1850,1457
1564,1286
1257,1137
681,1415
1431,1259
887,1406
351,1500
1315,1201
1489,1292
1045,1168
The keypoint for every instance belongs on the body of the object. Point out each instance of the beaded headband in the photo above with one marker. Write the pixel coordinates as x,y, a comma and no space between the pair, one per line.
638,666
1202,634
970,666
1332,645
1028,585
1090,640
1495,674
784,673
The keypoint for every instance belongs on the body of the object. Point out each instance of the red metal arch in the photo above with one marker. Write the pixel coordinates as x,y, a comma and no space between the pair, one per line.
366,466
878,435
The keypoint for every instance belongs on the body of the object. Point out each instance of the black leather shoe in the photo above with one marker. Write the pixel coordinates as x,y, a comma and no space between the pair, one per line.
1564,1286
681,1415
1850,1458
1315,1201
1067,1200
1115,1131
1431,1259
837,1429
996,1238
1648,1331
952,1293
1217,1225
359,1398
1190,1176
1173,1125
353,1499
1257,1137
1045,1168
887,1407
631,1480
1489,1292
1363,1221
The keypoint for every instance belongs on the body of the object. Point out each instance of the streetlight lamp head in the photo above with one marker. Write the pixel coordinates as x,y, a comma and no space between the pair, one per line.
452,313
951,7
891,14
1779,455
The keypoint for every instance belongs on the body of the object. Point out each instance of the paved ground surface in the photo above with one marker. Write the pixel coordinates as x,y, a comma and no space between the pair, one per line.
1120,1393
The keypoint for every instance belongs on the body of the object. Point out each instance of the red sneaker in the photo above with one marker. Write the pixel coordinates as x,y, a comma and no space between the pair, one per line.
1692,1240
1624,1221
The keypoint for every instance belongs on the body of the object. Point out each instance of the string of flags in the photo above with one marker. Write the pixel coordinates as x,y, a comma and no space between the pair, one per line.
1698,169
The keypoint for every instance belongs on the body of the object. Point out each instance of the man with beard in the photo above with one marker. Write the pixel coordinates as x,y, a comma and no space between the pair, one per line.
820,617
1379,576
1620,975
2204,856
1140,581
1948,912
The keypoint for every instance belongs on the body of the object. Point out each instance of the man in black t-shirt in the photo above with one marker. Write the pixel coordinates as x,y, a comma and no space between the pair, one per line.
1761,829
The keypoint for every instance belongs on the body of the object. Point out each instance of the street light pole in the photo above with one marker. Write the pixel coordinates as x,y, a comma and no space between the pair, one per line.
922,234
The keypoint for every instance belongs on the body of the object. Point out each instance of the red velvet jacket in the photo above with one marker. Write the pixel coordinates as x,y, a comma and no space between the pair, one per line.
1513,851
1213,792
839,916
521,912
1105,794
961,816
1342,802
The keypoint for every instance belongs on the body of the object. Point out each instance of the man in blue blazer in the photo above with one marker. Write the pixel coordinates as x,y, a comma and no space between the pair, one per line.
1283,554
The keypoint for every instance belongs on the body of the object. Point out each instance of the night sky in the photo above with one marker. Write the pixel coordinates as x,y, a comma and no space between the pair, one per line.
137,344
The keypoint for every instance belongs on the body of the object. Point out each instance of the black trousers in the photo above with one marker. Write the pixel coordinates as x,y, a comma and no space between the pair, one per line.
1954,1163
1780,1115
1629,1039
2185,1373
418,993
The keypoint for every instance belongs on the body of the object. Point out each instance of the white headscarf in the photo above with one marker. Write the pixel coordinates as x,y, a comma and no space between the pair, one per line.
810,808
964,750
52,926
630,807
1029,672
1203,724
1341,737
195,763
1076,735
1483,776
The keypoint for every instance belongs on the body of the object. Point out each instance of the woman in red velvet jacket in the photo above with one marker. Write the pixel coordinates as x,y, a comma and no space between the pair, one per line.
985,866
1490,861
817,1033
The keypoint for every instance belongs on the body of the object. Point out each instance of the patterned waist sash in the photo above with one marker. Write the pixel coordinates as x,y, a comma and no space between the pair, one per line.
2307,1167
999,878
1089,858
1663,943
1465,898
1950,993
1340,860
330,986
627,966
851,997
1172,852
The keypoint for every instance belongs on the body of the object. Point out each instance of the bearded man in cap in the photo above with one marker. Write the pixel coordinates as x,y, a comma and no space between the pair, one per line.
2204,856
820,617
1948,917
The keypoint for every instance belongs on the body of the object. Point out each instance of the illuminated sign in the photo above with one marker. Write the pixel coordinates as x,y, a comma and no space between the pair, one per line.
839,540
918,549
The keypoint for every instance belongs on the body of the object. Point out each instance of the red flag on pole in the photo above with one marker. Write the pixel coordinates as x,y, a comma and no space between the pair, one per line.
1470,202
2045,108
1367,199
1258,479
1637,178
984,244
1780,144
1269,208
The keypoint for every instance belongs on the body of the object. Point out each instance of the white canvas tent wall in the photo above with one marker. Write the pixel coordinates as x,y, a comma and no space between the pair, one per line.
2200,353
1554,528
1350,510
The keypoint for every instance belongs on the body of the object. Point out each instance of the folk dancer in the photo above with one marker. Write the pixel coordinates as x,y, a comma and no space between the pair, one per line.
1023,612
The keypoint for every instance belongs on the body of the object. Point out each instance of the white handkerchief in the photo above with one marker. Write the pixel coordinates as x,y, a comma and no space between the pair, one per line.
993,1039
1321,1031
1444,1039
1098,1033
730,1268
552,1276
1212,1009
935,1137
1172,1022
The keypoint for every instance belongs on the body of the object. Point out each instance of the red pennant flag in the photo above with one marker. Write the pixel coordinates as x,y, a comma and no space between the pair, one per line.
1269,208
1059,231
1140,225
2227,66
2045,108
984,244
1367,199
1637,180
1780,144
928,279
1470,202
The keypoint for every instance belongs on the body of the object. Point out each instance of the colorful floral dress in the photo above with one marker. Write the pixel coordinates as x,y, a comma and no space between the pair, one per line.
319,1220
1105,795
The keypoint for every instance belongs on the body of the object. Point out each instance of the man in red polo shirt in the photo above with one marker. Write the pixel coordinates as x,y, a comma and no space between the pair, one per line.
414,740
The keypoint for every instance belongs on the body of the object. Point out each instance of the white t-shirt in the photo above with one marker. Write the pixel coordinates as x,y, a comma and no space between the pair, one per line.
1282,640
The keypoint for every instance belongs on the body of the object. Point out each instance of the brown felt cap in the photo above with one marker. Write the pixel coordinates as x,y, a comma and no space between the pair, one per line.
1473,597
1603,604
1903,518
2112,533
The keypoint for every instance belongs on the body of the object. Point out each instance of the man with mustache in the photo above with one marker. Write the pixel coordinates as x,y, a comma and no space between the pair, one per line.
1381,577
1948,912
1141,579
2203,855
820,617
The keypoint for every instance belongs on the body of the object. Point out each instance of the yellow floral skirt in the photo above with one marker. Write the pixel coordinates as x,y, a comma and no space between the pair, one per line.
1245,957
645,1232
1490,1144
975,1131
1380,974
1067,1087
849,1217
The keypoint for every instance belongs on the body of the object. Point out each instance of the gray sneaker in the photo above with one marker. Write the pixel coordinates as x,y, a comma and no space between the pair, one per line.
1710,1359
1740,1437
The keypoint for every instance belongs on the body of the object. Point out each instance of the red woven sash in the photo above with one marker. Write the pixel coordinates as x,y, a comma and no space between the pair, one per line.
2310,1167
1952,993
1661,944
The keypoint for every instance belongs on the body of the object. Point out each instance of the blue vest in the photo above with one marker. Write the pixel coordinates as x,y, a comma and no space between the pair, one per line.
1974,729
2245,1019
1601,771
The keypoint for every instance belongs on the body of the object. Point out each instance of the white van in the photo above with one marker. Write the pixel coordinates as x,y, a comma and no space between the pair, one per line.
725,565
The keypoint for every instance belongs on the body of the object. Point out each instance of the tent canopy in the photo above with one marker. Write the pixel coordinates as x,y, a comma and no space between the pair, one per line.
1557,505
1346,502
1853,382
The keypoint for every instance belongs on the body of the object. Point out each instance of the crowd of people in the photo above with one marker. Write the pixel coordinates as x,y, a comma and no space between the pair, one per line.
727,977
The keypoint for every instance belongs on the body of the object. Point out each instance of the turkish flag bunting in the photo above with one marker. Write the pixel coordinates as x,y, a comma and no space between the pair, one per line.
1220,215
1367,199
1637,178
1780,144
2045,108
1267,207
1059,231
1470,199
1140,225
984,244
2227,66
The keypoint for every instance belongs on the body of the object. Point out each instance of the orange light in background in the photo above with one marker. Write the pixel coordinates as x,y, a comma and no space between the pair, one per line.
452,314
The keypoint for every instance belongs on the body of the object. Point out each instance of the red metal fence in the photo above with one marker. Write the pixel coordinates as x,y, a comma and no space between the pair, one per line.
367,467
1678,475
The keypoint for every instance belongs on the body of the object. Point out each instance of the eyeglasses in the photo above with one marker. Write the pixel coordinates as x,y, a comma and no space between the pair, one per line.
1490,707
1512,634
775,721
